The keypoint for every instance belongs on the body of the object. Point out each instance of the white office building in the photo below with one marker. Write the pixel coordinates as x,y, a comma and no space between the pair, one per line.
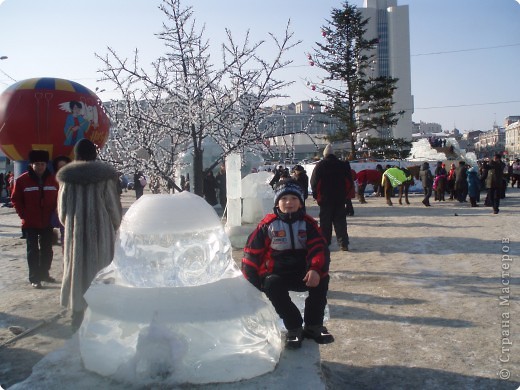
389,23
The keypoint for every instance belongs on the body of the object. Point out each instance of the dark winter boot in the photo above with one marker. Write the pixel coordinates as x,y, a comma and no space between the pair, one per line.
293,339
318,333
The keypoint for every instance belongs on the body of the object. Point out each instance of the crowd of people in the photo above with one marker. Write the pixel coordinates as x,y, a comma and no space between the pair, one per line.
463,182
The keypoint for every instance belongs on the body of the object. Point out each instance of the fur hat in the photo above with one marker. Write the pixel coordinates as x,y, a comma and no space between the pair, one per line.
38,156
328,150
285,187
85,150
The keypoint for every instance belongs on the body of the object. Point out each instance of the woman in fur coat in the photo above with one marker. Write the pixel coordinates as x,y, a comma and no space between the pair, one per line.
89,208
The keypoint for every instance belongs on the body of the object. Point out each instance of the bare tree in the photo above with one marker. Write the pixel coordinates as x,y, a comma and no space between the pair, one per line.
185,101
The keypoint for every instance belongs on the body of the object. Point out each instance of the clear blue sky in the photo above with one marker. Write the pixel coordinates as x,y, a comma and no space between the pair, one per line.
465,53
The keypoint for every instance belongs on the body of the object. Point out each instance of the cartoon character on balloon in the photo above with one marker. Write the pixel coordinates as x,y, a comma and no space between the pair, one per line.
80,119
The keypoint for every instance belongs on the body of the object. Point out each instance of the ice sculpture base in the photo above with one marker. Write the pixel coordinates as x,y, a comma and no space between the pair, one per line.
63,369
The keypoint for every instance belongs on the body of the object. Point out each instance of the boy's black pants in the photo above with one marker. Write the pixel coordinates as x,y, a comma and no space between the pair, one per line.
277,288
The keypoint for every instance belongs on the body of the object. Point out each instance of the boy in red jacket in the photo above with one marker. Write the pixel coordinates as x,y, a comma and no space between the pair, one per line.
35,197
287,252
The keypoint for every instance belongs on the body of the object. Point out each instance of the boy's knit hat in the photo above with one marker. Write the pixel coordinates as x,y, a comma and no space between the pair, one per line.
285,187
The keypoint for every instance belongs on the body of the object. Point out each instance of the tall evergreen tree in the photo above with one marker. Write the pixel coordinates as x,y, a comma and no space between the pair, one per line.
359,99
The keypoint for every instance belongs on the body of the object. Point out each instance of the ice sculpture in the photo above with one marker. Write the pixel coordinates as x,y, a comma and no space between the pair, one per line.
257,195
423,151
173,307
234,190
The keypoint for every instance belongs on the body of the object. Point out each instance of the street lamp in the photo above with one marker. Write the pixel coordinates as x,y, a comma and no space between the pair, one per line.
3,58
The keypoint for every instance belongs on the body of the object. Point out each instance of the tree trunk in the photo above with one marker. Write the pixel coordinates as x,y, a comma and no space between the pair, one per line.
198,174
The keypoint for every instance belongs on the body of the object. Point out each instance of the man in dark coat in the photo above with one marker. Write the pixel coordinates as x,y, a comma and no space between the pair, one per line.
277,176
221,185
300,175
329,183
210,188
461,182
494,179
138,184
427,182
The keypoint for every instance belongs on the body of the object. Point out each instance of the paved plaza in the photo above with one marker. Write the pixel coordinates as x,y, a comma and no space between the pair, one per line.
427,298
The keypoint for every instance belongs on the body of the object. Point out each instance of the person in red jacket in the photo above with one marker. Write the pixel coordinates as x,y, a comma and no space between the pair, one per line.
287,252
34,197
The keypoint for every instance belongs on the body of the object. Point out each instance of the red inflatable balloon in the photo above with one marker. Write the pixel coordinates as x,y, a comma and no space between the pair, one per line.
50,114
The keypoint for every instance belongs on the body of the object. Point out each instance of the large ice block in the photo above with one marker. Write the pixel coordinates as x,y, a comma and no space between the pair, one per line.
173,308
258,196
234,190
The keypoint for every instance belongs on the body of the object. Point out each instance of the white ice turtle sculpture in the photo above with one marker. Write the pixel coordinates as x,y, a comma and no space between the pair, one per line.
173,307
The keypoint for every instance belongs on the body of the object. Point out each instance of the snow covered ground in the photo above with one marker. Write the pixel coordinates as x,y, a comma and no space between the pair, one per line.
419,302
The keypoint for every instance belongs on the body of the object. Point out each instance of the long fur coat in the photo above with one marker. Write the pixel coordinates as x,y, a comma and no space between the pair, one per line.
89,208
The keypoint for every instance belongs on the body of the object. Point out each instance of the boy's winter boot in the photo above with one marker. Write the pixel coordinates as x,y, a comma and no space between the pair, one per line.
318,333
294,338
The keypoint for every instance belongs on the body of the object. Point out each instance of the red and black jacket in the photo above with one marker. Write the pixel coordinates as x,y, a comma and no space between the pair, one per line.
283,244
35,200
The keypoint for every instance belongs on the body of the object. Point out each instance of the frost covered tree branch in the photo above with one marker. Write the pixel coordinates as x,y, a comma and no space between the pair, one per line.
184,101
